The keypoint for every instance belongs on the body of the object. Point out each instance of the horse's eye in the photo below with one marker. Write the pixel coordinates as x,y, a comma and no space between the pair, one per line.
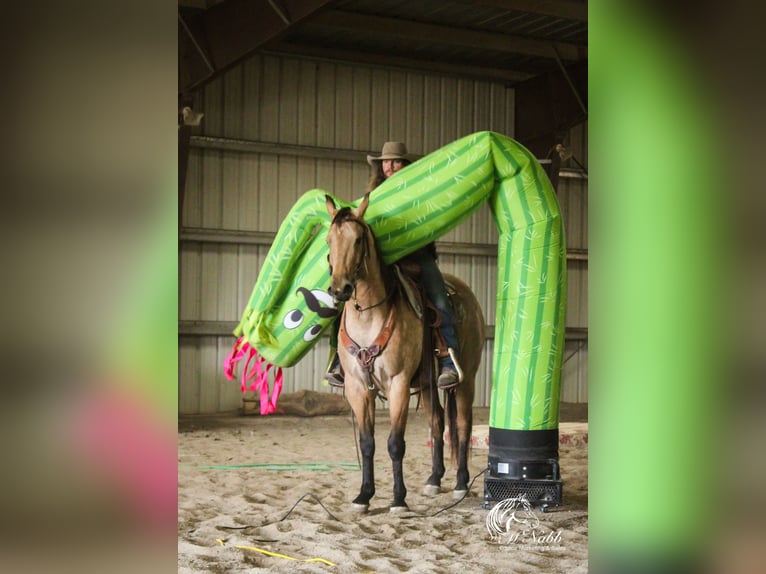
358,241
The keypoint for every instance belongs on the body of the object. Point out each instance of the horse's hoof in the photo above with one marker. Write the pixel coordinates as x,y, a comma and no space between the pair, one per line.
398,509
431,490
458,494
359,508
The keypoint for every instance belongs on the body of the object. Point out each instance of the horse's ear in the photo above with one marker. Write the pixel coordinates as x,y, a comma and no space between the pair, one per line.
331,209
359,211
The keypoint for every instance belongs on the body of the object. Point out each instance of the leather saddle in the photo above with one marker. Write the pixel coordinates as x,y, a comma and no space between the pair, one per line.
408,274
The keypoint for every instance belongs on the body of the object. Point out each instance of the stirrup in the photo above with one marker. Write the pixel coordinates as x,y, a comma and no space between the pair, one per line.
335,379
448,379
334,374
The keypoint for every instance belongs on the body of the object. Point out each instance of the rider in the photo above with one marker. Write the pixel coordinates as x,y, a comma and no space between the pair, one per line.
392,158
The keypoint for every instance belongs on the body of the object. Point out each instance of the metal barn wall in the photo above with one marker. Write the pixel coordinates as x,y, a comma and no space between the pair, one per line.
573,199
290,125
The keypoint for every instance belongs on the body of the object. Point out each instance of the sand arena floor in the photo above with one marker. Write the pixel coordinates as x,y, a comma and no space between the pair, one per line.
240,476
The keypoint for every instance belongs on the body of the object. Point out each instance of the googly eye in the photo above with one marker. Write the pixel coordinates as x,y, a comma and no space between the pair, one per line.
293,319
312,333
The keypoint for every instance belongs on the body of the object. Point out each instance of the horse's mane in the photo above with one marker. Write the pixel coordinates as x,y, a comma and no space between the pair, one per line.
343,214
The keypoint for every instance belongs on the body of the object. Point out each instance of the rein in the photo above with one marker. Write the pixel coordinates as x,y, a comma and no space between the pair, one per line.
359,308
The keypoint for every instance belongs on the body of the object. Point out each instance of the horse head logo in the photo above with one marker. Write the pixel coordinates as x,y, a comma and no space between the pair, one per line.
511,516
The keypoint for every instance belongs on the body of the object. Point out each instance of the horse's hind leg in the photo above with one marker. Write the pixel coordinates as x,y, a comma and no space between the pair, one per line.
363,404
435,413
464,423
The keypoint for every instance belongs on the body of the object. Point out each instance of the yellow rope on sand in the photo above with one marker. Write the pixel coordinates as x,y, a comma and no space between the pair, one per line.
276,555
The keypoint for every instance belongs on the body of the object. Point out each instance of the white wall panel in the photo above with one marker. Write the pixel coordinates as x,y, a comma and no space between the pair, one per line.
291,101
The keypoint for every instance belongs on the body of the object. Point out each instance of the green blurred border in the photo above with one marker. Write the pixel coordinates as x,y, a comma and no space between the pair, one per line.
657,237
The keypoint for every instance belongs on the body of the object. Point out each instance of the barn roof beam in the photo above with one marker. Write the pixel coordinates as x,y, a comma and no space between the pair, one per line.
396,27
212,41
565,9
390,61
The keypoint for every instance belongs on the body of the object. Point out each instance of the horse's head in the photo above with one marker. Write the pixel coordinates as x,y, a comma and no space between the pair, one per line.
348,239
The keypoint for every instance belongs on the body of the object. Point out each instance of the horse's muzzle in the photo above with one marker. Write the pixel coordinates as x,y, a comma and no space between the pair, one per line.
343,294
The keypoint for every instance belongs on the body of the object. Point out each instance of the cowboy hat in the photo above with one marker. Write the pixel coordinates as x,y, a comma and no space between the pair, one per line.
391,150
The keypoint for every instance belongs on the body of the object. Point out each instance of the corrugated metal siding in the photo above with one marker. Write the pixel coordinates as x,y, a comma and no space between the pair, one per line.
574,387
290,101
573,197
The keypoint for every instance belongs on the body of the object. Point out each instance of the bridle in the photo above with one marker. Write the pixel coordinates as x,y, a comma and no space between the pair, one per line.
344,217
365,356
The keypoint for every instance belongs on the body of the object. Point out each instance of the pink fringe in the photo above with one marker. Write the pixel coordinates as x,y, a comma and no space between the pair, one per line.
259,374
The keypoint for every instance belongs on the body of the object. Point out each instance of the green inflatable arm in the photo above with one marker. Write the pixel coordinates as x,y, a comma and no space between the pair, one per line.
289,306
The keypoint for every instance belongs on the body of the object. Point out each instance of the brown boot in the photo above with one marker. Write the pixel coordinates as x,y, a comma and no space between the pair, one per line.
450,374
448,378
334,375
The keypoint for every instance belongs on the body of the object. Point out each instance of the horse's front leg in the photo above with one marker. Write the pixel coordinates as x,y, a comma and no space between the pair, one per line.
363,403
399,402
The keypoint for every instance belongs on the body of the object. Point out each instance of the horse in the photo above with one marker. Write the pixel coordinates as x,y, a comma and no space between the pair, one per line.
384,339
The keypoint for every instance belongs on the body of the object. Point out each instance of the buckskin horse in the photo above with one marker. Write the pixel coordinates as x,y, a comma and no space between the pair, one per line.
381,340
